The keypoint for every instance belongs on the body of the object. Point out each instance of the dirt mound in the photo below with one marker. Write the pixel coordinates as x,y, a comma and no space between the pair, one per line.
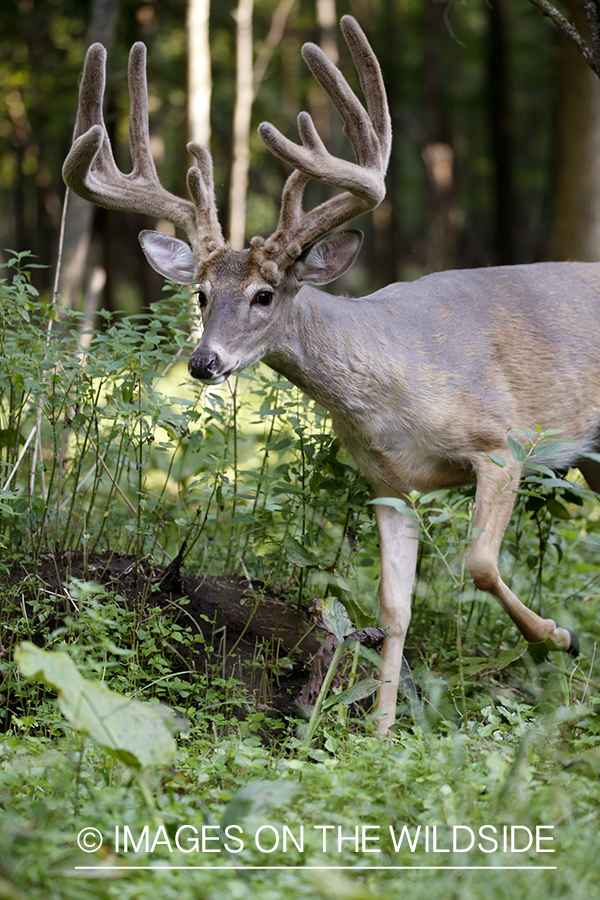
247,617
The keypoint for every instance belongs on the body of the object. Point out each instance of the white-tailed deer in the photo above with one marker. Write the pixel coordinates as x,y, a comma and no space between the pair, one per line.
423,380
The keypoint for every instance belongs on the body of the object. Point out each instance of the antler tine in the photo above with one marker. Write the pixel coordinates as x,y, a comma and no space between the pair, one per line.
89,144
371,82
91,172
200,184
369,134
139,130
357,125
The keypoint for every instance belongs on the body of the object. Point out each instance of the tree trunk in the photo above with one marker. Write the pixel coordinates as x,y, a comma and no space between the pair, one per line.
576,227
199,75
501,134
248,80
328,24
437,153
79,214
387,246
238,187
265,52
319,104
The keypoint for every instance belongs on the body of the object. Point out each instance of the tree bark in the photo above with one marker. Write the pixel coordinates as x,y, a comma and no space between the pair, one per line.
199,74
576,226
386,253
270,43
437,152
320,106
244,96
328,24
501,134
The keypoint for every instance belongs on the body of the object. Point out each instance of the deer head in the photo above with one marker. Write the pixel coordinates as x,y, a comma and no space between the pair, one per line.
244,295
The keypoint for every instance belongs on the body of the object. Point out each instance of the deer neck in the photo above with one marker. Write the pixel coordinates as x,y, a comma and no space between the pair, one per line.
319,353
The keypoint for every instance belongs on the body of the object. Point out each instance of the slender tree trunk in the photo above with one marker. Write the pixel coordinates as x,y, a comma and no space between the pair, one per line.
238,187
387,218
501,134
320,106
199,74
266,50
248,80
328,24
79,214
437,153
576,227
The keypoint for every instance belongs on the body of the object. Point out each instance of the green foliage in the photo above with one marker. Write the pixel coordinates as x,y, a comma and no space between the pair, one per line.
332,617
138,734
101,444
249,479
515,767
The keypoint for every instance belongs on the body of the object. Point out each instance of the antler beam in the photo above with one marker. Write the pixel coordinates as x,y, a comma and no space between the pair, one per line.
370,134
91,172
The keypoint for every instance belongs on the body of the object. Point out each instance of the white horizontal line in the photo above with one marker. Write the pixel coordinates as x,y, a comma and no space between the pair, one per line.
300,868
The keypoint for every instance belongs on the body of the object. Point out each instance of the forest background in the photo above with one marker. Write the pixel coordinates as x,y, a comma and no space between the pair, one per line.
495,122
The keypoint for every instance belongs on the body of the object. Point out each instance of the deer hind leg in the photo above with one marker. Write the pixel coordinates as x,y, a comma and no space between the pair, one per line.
494,502
398,542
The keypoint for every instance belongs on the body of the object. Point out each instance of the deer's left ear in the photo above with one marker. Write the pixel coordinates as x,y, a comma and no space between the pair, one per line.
328,258
169,256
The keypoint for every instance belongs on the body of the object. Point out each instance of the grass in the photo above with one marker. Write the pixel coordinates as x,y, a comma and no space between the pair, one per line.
113,451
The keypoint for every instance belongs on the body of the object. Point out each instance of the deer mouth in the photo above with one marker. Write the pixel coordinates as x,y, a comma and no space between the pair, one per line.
215,379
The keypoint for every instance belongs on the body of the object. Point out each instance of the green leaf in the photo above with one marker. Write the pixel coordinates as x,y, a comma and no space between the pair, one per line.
497,460
476,665
557,509
282,487
139,734
353,694
333,617
551,448
396,503
256,798
517,449
299,555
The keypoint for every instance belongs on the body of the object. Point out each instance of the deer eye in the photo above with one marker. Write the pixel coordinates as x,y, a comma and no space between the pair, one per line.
263,298
201,298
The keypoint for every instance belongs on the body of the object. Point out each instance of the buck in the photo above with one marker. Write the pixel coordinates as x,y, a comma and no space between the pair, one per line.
425,381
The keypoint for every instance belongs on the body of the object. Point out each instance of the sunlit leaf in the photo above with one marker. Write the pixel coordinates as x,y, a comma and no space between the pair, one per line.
137,733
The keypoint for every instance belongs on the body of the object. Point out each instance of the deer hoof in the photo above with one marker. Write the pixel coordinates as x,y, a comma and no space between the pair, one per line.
566,640
561,639
573,649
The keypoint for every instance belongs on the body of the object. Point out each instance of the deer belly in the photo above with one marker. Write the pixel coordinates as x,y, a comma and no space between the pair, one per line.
408,463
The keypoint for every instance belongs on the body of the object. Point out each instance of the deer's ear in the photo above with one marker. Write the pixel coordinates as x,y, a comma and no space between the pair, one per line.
328,258
169,256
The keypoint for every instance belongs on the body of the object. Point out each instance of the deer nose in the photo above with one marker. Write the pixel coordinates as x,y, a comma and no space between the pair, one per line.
204,365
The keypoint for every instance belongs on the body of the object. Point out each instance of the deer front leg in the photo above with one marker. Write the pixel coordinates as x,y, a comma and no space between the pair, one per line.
398,542
494,502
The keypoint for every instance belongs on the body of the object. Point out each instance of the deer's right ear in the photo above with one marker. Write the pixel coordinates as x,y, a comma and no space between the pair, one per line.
329,258
169,256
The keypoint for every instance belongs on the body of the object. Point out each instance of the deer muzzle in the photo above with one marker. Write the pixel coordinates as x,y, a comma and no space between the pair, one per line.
207,366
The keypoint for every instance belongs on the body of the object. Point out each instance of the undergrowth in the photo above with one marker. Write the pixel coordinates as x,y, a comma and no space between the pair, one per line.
107,447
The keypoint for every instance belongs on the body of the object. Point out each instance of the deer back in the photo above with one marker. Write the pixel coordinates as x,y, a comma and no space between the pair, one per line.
420,377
